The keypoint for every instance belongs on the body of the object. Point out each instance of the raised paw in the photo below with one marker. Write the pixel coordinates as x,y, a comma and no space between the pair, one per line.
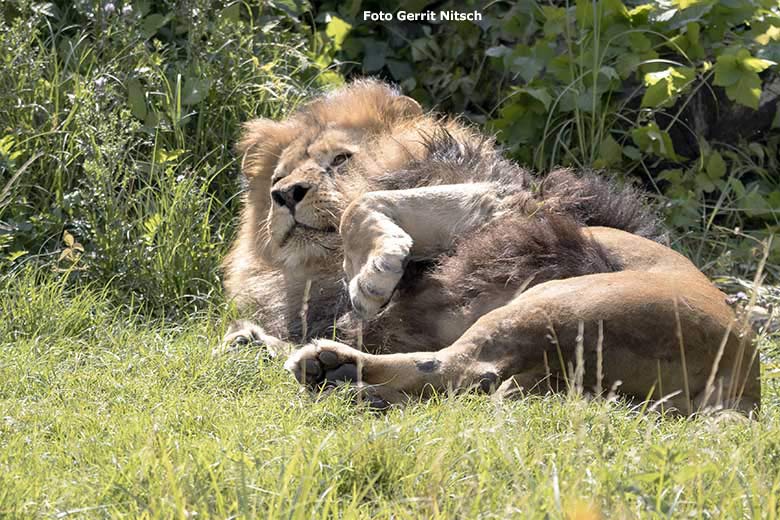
374,284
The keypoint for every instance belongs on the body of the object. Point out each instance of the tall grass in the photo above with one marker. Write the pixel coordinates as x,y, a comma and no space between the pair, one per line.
129,117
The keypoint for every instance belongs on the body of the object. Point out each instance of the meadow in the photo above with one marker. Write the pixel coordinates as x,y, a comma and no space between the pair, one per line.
119,193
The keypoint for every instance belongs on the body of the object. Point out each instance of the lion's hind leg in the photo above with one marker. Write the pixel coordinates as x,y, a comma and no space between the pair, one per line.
655,340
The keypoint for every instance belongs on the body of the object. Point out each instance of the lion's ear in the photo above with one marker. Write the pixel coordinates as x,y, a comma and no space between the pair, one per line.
262,142
406,107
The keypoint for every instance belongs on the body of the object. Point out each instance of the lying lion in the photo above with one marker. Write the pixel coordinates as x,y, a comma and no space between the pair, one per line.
440,265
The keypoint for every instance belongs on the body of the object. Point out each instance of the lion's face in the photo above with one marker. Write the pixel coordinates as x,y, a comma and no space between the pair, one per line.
304,171
307,198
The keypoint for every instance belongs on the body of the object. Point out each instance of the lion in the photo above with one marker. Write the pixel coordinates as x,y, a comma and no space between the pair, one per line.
408,256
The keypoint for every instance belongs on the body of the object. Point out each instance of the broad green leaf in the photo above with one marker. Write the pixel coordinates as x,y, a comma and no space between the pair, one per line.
337,30
400,70
163,156
15,255
330,77
685,4
674,176
727,72
554,20
747,91
195,90
136,98
639,42
651,139
693,30
610,151
664,86
540,94
716,166
704,183
657,94
375,54
152,23
754,204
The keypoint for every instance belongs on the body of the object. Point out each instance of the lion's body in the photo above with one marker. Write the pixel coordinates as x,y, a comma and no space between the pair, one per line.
425,239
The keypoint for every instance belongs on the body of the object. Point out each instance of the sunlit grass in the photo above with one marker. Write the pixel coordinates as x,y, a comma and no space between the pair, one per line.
105,414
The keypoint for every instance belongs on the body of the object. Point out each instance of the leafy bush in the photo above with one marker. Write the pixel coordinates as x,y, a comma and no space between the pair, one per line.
116,122
682,94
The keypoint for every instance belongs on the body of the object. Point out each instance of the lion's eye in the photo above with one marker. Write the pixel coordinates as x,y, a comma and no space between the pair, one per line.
340,159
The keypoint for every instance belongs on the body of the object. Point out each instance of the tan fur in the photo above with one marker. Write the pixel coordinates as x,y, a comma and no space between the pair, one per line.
353,247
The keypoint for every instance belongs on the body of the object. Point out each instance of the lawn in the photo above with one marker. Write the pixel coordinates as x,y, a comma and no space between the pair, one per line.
118,197
106,415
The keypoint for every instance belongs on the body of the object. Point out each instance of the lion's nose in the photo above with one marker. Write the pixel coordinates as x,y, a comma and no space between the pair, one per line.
290,195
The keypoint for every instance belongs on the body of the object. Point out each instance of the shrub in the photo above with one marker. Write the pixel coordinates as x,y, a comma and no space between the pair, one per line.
116,122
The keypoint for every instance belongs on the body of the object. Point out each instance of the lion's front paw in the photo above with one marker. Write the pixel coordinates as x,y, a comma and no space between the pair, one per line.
245,334
373,286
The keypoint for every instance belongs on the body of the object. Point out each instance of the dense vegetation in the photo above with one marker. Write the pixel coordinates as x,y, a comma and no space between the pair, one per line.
118,196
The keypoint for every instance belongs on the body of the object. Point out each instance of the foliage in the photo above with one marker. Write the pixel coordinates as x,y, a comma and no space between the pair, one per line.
116,122
681,94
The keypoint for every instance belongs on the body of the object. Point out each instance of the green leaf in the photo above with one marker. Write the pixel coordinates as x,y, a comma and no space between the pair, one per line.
151,24
15,255
716,166
337,30
539,94
747,91
375,53
664,86
639,42
195,90
400,70
771,34
754,204
673,176
610,151
685,4
330,77
136,98
651,139
554,20
727,72
704,183
527,66
163,156
657,94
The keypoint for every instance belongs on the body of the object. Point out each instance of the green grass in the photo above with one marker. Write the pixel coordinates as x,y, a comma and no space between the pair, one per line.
103,414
